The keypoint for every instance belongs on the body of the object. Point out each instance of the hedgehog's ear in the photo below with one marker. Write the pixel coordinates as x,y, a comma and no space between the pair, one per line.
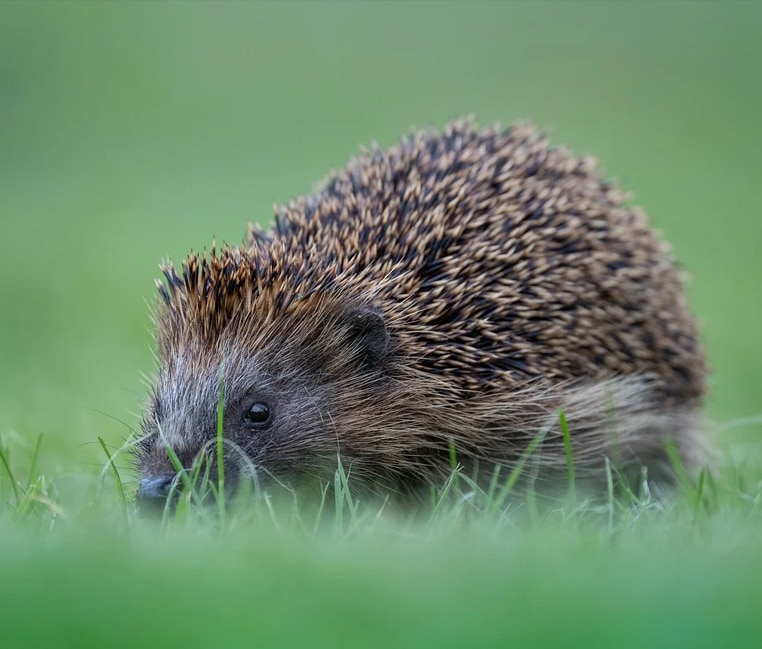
365,331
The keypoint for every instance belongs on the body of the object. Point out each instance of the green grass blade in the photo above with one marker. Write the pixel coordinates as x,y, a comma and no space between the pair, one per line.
117,480
221,447
610,495
321,507
7,465
440,501
454,466
568,451
699,501
493,482
513,476
35,456
184,478
678,466
338,499
346,492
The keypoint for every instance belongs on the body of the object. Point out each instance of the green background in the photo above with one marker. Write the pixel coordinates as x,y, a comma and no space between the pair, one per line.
133,132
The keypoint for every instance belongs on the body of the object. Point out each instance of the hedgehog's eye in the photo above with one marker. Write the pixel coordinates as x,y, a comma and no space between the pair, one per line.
259,413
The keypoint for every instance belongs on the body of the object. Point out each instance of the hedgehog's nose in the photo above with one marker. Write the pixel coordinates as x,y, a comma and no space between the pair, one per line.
153,491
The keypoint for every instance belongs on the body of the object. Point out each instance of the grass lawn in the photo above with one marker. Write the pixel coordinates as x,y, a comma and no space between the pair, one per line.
133,132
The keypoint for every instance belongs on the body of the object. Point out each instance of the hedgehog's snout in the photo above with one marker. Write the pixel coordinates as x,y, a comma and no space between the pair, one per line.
153,492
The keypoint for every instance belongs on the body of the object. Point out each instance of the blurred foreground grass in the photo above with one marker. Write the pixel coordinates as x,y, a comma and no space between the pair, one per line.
257,587
133,131
648,573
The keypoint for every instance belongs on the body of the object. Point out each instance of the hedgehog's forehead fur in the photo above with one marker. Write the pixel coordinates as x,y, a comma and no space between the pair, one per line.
231,285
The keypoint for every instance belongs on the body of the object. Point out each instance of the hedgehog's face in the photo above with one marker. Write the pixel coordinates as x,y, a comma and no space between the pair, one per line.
279,407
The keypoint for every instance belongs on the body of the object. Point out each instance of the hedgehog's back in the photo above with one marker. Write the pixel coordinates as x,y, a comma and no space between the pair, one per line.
497,259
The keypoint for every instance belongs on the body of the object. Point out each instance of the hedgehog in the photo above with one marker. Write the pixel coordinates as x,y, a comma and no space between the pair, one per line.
451,296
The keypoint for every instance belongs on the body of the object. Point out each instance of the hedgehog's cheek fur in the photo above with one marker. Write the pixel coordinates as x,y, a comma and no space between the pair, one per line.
303,440
297,438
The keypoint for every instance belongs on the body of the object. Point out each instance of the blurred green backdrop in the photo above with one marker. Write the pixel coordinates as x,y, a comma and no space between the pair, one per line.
131,132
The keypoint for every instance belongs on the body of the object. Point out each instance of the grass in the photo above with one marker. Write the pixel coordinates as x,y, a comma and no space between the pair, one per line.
623,571
461,500
133,131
